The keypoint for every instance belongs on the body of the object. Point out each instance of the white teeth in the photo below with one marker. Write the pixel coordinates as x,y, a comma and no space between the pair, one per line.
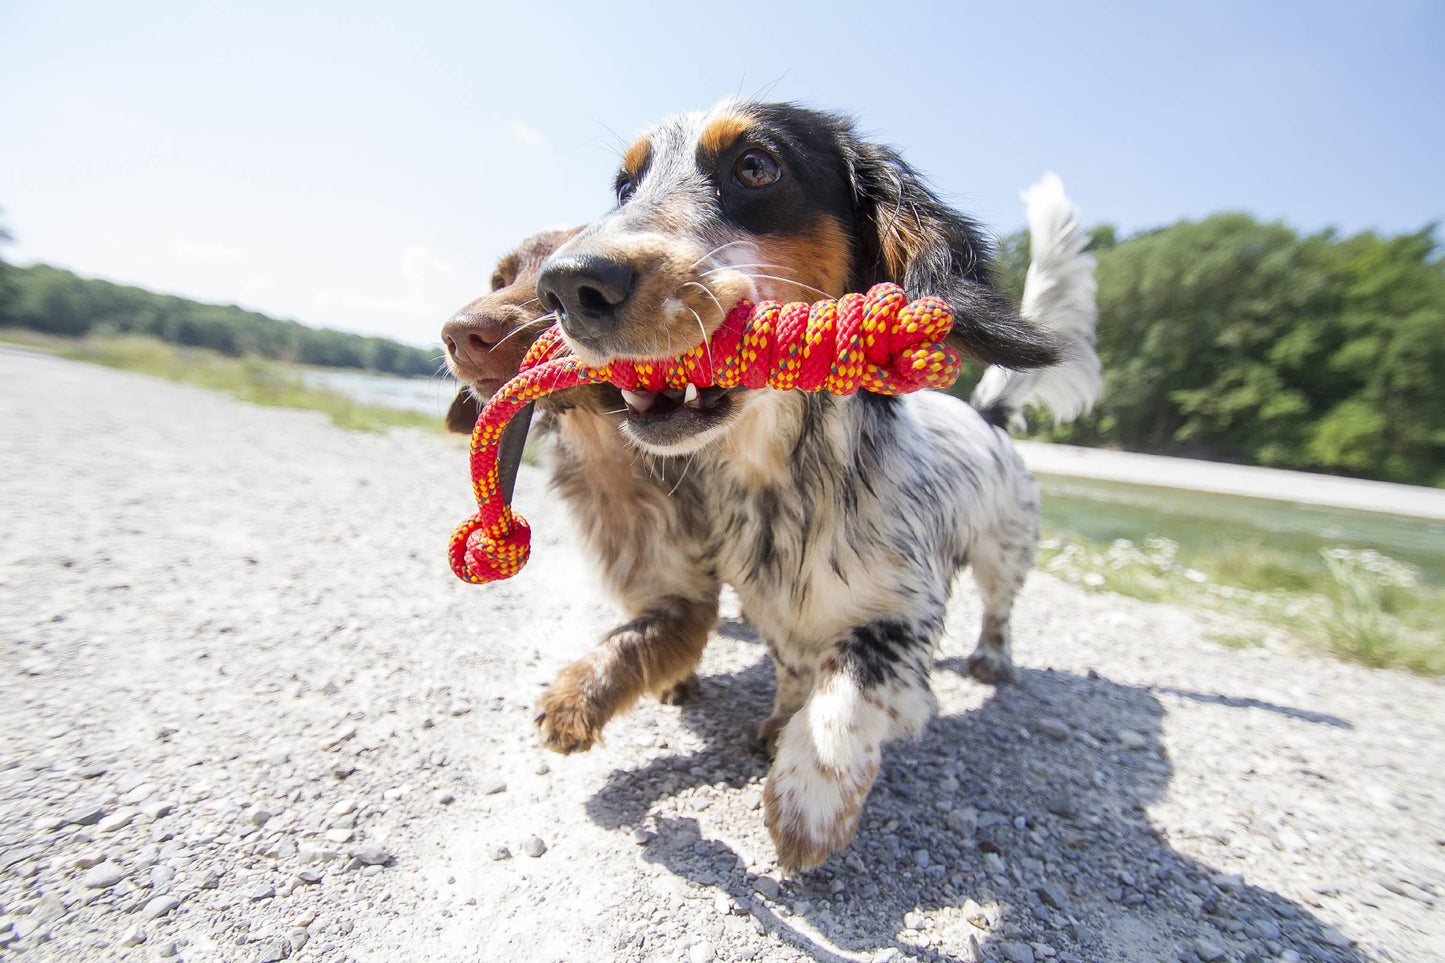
638,401
689,395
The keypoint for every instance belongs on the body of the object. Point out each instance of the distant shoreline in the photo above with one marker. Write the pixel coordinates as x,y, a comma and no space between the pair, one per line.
1219,478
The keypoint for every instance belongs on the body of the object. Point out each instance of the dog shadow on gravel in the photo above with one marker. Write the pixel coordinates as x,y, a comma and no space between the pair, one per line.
1038,833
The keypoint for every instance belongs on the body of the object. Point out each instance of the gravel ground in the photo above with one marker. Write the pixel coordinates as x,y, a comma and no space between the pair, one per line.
249,715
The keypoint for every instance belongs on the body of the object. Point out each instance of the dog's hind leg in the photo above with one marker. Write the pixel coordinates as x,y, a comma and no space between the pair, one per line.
681,693
653,653
871,688
1002,557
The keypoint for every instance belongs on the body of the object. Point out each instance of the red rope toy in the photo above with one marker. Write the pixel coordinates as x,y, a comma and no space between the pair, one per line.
876,342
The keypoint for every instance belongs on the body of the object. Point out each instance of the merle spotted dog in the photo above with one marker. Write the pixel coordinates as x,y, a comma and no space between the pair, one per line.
840,522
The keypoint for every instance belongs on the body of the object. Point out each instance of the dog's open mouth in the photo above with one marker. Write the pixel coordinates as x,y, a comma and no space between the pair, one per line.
667,418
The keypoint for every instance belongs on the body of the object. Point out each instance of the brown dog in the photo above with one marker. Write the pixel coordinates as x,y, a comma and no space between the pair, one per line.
623,508
486,340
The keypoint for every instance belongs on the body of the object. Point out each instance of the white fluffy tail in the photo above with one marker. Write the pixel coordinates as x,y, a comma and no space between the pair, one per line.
1059,296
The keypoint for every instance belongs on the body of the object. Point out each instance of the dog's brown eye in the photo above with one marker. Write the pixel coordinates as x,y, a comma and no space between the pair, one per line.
625,189
498,282
756,168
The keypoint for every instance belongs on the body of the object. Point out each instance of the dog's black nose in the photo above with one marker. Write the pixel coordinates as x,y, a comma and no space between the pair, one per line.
585,290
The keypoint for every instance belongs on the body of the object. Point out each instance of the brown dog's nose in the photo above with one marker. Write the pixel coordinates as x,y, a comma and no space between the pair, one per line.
586,291
470,338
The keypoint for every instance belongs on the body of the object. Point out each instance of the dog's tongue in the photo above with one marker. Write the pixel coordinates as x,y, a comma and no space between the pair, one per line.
659,404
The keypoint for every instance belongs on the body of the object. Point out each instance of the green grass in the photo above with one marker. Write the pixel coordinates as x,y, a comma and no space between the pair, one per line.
255,380
1245,639
1365,587
1359,605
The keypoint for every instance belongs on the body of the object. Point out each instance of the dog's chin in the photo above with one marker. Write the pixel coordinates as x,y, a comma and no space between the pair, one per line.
678,422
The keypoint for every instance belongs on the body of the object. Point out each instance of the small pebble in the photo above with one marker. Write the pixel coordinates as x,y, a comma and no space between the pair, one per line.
115,821
963,820
103,876
138,795
1132,740
1051,895
534,847
1053,728
1017,952
767,887
1062,804
1208,950
85,816
373,855
272,951
159,907
493,787
702,952
260,891
499,853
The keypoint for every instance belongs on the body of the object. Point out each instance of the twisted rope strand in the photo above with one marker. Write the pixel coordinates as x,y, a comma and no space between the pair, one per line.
875,342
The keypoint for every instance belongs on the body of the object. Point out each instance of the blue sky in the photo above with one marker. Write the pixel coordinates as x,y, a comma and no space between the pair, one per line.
362,166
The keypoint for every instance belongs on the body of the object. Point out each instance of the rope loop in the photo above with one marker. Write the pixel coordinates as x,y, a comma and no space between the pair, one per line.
876,342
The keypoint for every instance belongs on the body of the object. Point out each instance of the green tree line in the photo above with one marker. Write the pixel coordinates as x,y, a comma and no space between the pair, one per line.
55,301
1234,340
1225,339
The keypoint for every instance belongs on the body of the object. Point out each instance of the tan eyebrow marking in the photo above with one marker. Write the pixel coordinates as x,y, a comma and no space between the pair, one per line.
636,155
722,132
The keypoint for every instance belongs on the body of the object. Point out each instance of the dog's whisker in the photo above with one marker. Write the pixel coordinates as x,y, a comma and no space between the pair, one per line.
749,264
708,291
545,319
702,329
720,247
806,287
685,469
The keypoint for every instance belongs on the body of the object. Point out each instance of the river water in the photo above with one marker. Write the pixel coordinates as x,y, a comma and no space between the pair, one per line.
429,396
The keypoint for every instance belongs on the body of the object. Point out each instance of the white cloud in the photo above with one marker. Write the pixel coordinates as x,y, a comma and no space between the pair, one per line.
205,252
420,264
525,134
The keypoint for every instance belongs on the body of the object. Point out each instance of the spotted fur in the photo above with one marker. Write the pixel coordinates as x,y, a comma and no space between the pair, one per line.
791,498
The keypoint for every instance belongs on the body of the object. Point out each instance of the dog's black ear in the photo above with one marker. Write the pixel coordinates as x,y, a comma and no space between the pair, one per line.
462,415
910,237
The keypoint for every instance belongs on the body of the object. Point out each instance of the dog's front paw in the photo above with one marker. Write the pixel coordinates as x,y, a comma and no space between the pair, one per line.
811,807
569,721
991,666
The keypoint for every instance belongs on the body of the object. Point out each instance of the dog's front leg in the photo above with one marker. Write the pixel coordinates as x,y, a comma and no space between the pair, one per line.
793,686
652,653
872,687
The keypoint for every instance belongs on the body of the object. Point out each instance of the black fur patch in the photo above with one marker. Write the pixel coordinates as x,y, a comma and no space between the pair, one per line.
878,652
